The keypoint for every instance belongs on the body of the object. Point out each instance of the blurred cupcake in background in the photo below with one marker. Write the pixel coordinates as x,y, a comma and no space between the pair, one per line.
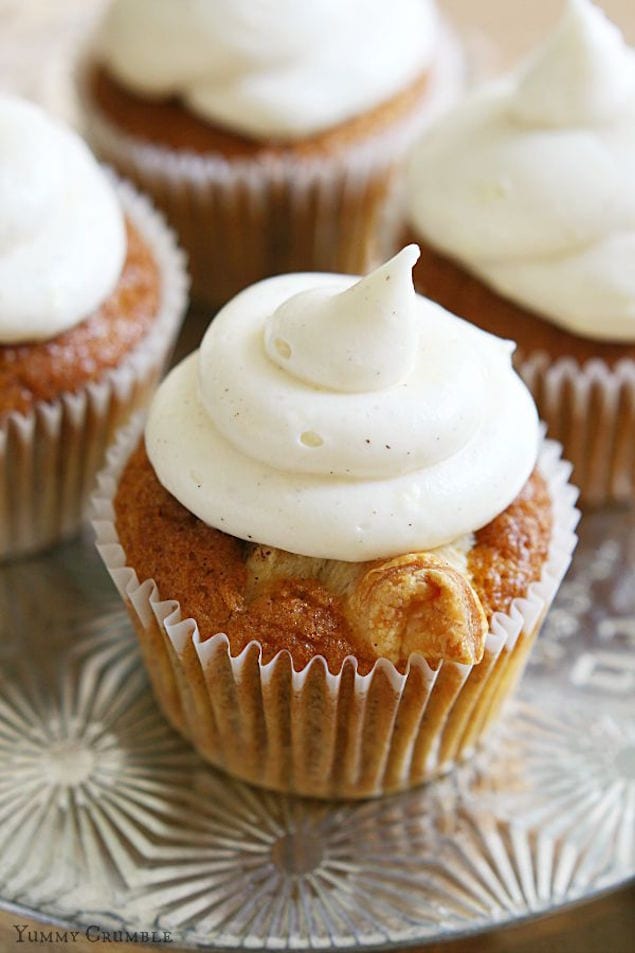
268,133
92,293
523,198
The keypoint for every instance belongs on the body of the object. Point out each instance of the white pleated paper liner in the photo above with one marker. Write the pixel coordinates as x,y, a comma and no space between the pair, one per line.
241,220
590,410
50,456
312,732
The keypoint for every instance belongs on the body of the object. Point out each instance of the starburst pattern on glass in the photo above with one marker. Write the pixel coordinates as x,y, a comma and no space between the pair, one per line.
85,764
582,785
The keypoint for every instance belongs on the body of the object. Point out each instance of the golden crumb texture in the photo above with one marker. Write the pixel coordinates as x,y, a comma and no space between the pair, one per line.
386,608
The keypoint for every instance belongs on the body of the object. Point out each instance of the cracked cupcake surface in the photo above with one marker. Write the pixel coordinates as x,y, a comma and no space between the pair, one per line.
327,607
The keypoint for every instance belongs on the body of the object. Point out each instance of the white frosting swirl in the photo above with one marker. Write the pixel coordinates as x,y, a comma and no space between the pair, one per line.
530,182
62,232
270,68
344,418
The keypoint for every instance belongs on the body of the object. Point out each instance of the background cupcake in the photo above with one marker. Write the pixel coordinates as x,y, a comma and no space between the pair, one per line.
92,294
268,134
523,198
337,544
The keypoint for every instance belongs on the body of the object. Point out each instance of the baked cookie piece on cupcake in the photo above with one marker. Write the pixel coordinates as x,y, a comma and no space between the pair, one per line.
523,199
339,536
92,293
268,133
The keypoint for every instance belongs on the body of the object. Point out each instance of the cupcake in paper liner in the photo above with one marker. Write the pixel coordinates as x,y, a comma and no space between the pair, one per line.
339,536
524,203
272,146
93,293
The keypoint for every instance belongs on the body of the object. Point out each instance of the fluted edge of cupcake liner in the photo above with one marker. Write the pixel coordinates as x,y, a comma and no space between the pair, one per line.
50,456
311,732
242,220
590,410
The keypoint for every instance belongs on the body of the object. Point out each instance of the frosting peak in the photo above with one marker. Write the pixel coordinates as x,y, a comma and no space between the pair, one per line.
361,339
270,68
62,234
529,181
583,74
267,451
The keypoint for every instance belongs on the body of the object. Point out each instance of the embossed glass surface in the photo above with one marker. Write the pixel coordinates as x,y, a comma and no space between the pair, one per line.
107,817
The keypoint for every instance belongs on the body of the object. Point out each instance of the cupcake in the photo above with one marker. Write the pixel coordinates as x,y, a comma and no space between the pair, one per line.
340,535
92,292
268,134
523,200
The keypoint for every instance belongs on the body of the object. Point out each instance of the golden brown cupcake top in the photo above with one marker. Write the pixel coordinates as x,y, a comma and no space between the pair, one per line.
385,608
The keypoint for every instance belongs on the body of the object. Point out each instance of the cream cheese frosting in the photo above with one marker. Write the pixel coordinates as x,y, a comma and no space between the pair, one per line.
270,68
62,232
529,183
344,418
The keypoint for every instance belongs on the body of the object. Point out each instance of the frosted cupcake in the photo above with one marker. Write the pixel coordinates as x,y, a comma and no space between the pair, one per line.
92,292
344,500
524,201
267,133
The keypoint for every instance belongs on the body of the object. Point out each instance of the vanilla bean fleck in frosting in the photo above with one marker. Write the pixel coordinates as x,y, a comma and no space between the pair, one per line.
270,68
62,231
344,418
529,183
